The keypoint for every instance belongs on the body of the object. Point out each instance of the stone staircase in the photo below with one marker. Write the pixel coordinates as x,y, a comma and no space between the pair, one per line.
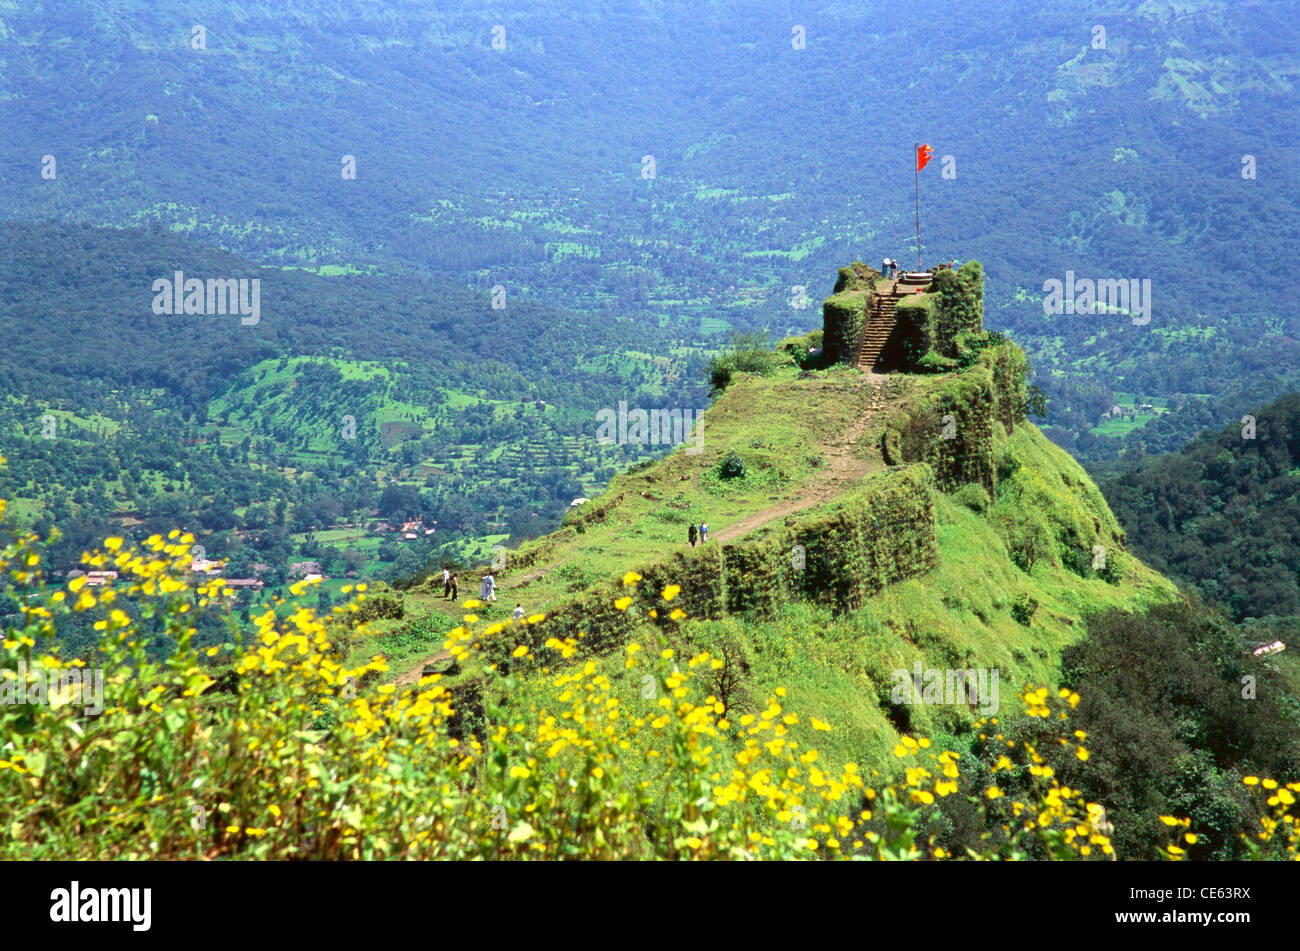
879,325
880,319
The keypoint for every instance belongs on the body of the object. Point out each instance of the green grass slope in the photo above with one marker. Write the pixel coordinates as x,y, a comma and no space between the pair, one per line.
1009,591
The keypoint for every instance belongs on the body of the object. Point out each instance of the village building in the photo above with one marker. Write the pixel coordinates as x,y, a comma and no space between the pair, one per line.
303,569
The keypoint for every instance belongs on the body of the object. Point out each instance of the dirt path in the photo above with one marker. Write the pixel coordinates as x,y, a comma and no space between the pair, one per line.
414,675
842,469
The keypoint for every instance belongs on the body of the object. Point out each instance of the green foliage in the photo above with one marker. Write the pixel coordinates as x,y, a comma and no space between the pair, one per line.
1036,402
915,329
958,310
949,426
798,350
942,330
1174,730
747,352
947,311
843,317
973,497
969,308
1023,609
1075,559
1010,369
1222,513
1111,572
381,604
732,466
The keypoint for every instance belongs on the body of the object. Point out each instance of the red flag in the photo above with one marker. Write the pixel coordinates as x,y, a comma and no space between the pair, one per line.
923,154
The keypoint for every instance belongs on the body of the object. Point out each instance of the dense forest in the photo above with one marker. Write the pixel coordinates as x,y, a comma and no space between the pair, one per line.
1223,514
705,171
353,399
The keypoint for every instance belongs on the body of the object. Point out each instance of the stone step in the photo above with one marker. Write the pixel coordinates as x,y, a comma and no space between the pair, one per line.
881,319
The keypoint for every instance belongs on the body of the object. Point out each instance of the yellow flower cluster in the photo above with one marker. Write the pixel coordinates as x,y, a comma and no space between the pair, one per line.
269,746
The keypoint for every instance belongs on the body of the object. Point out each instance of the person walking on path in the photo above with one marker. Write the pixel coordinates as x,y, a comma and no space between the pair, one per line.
704,532
690,534
454,593
489,589
519,613
446,582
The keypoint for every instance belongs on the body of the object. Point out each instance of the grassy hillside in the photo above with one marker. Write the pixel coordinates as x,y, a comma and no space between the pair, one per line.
810,446
726,701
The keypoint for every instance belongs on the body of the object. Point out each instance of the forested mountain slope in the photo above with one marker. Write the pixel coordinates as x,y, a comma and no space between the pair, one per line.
694,168
346,386
1223,514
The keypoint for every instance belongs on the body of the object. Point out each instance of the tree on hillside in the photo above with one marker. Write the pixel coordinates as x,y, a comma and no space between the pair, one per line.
402,501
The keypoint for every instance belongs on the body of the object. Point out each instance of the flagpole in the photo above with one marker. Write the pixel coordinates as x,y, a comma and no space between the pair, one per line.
916,164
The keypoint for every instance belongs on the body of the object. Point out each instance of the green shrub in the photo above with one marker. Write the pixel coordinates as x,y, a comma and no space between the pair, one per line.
732,466
1076,559
1110,572
973,497
1023,609
747,352
383,604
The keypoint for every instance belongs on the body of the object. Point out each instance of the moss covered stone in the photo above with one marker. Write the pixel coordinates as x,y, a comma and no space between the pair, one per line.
951,426
881,533
843,317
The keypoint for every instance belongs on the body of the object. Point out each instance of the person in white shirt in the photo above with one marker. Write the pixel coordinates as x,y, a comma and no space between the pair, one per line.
519,613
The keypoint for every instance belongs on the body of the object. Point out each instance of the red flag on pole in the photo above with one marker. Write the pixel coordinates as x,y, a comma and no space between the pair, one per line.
923,153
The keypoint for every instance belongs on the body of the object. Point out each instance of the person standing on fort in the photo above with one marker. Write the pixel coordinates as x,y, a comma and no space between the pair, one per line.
690,534
884,267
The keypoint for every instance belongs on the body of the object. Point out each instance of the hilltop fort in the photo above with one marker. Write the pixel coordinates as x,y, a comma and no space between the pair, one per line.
916,490
920,322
